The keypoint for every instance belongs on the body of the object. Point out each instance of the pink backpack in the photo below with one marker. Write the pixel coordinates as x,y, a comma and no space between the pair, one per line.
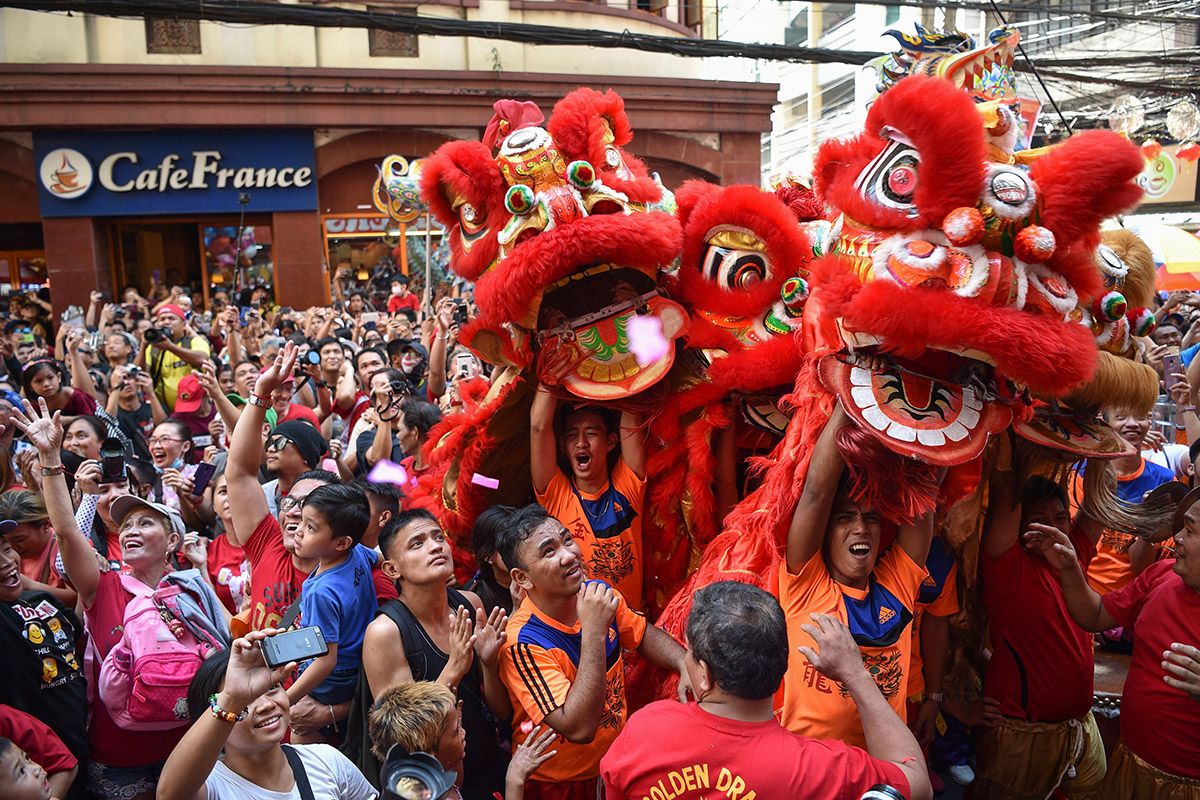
144,679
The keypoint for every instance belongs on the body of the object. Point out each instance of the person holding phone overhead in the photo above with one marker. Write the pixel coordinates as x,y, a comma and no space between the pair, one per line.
234,749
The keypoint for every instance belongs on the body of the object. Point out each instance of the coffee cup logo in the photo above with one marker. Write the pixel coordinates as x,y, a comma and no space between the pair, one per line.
66,173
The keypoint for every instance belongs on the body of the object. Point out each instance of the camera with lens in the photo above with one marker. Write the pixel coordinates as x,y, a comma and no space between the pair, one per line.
312,358
133,372
158,335
112,461
413,776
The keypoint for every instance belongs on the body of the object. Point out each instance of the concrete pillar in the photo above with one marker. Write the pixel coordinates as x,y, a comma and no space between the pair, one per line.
77,260
298,249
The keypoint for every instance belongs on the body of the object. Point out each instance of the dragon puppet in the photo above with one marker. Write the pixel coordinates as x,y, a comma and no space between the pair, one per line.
566,238
549,221
954,300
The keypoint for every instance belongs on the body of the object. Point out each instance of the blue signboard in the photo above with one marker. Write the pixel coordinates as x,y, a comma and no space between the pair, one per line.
107,174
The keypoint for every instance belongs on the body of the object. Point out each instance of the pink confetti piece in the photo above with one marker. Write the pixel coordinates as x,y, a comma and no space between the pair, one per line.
484,481
526,726
388,472
646,340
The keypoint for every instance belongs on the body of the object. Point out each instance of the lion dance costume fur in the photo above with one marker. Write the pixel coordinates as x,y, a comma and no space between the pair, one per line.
940,286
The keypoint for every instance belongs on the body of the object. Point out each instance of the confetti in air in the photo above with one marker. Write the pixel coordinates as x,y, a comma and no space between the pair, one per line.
388,472
646,340
485,481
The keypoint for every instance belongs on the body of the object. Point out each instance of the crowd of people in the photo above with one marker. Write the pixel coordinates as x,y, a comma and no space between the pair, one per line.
214,584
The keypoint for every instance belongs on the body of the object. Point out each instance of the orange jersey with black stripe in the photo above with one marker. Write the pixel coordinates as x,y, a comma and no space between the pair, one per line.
607,525
878,618
538,664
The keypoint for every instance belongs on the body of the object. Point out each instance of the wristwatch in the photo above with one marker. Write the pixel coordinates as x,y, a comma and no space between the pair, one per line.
255,400
936,697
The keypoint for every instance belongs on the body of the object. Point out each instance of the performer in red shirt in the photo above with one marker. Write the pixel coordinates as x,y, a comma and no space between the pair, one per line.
1040,673
1159,753
729,742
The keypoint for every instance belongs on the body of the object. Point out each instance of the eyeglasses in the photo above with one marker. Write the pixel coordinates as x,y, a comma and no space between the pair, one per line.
288,503
277,443
162,439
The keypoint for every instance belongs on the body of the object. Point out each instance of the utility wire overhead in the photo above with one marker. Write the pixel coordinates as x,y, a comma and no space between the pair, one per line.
256,12
1147,12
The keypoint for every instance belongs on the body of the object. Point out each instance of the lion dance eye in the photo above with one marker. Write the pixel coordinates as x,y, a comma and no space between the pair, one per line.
890,180
748,271
734,269
902,182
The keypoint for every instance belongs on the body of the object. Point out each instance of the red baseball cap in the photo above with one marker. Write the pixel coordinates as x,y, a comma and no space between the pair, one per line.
171,308
189,395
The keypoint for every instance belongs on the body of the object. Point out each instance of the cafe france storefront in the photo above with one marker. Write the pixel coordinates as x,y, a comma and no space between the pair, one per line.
205,209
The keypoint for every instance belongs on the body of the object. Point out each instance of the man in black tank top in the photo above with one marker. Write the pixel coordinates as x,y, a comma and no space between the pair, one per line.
434,633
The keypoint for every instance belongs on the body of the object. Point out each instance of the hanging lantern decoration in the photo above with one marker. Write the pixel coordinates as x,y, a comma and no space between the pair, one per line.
1183,123
1127,115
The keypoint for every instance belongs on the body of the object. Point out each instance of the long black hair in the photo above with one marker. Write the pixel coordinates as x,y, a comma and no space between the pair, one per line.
483,542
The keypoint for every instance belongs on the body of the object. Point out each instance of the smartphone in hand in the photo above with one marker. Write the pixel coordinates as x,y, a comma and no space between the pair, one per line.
303,644
1172,364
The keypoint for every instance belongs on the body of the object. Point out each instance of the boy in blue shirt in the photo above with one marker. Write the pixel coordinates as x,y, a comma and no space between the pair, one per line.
339,596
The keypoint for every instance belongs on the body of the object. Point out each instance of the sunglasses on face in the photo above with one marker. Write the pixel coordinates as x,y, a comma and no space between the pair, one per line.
277,443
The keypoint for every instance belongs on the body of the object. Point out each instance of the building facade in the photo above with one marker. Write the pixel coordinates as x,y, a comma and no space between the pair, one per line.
134,151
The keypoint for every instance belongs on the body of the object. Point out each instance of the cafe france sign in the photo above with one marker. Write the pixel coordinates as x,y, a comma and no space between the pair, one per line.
105,174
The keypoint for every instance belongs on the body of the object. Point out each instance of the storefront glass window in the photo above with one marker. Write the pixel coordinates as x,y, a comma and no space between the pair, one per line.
224,254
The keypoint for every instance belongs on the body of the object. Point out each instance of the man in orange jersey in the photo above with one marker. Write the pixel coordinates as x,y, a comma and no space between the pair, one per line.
834,566
562,659
601,506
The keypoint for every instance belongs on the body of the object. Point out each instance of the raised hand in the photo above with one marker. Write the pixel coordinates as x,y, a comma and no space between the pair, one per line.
836,655
462,643
208,379
529,755
1053,545
1181,390
597,606
42,429
88,476
195,550
248,677
490,635
283,365
445,314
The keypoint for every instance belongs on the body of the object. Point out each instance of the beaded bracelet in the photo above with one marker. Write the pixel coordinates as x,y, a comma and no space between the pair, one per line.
222,714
